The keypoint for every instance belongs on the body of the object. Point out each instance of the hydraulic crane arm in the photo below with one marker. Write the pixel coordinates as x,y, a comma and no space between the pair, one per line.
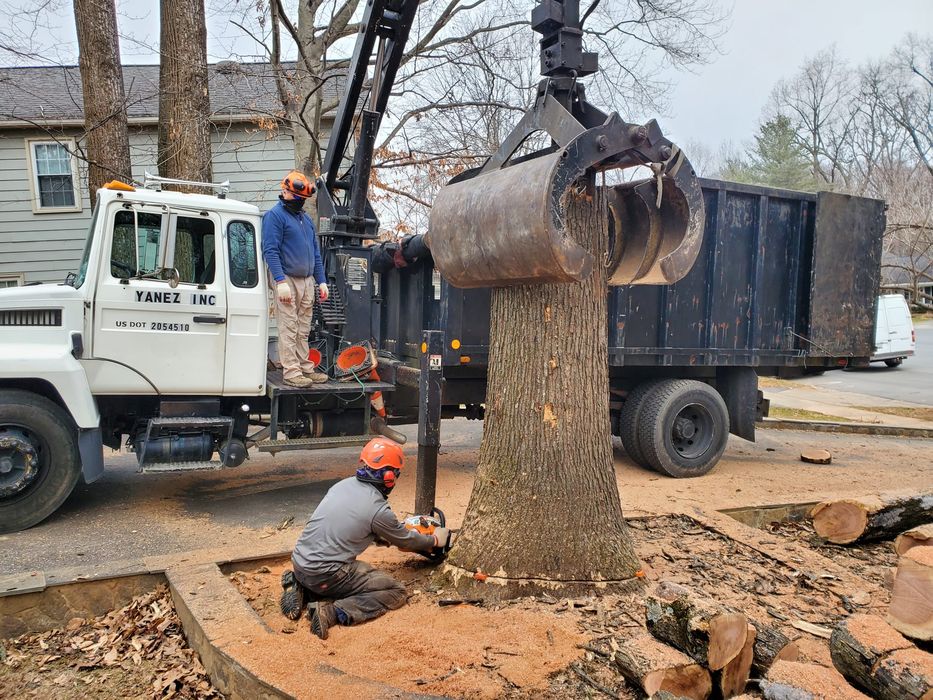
342,198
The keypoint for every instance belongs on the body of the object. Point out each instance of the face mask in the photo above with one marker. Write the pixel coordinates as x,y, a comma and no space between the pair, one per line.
293,205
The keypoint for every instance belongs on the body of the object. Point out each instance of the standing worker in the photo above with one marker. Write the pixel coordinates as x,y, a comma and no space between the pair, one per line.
353,515
292,254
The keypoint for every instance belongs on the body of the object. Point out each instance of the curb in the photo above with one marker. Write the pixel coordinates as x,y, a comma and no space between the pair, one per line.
848,428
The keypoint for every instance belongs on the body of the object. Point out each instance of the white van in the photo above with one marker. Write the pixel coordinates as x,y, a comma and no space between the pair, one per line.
894,330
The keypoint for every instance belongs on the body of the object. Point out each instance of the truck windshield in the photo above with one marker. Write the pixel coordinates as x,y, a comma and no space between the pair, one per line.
85,257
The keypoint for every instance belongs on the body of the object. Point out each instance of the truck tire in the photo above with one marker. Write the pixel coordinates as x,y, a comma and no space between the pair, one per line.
894,362
683,427
628,421
39,459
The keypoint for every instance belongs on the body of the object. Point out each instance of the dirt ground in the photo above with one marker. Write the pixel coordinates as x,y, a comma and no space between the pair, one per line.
138,651
545,647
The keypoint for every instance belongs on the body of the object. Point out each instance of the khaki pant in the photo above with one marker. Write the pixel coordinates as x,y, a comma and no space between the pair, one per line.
362,592
294,322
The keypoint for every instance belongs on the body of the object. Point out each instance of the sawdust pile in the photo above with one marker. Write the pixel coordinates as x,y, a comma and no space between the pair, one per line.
137,651
513,650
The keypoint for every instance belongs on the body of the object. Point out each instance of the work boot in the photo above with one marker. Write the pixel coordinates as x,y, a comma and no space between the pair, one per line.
316,377
323,616
292,602
302,382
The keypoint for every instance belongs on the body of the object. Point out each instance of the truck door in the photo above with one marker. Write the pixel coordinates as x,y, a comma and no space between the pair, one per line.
166,326
247,310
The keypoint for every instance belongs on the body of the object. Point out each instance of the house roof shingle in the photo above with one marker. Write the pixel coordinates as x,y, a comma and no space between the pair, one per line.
53,94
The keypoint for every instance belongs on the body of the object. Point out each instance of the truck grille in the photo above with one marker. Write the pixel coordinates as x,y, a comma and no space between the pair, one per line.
31,317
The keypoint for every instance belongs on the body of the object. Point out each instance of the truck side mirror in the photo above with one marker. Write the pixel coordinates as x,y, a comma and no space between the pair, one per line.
166,252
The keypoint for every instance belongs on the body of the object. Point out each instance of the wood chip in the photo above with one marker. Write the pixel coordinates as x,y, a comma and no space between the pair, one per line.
810,628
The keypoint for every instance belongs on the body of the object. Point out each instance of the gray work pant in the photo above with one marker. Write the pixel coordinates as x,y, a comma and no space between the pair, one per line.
361,591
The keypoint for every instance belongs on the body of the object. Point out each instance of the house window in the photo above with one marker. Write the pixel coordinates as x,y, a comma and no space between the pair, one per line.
54,176
11,281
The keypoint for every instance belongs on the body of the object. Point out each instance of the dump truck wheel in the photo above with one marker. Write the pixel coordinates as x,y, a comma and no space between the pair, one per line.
628,421
683,427
896,362
39,460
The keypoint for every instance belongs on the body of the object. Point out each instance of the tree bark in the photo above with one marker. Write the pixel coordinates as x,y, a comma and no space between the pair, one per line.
872,518
771,645
875,657
911,611
708,632
184,102
545,512
108,146
916,537
654,667
789,680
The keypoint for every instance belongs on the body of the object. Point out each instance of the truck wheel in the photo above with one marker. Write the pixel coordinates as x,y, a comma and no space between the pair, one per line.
683,426
894,362
39,461
628,421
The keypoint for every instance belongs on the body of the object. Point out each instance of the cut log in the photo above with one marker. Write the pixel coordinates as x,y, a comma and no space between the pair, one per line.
771,645
816,456
911,611
872,518
867,651
654,666
790,680
917,537
733,677
708,632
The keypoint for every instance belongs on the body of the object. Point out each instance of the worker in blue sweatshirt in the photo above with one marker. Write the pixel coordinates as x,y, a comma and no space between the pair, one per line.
292,254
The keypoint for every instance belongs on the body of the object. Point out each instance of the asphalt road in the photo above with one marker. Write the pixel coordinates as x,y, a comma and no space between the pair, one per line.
912,381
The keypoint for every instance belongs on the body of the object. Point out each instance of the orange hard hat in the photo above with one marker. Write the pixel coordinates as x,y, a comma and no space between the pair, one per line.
298,184
381,453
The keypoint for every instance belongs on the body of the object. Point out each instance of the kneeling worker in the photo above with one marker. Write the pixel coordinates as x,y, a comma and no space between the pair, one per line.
353,513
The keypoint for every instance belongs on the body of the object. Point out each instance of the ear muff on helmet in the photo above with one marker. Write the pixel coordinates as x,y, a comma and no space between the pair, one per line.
389,476
299,185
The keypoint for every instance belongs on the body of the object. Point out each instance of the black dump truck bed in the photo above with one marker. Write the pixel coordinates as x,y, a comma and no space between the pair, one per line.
784,280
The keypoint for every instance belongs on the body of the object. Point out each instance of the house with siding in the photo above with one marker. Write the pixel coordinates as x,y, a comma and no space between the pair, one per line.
44,205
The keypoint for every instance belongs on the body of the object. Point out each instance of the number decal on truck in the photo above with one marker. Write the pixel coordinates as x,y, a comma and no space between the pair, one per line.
176,327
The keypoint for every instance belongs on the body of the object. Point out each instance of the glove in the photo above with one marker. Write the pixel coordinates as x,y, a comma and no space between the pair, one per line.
322,291
443,538
284,293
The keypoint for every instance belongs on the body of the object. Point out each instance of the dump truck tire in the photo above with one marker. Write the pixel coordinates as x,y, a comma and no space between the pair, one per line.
628,422
896,362
34,428
683,427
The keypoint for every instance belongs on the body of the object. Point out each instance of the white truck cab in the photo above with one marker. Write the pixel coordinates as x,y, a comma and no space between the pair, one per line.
895,338
168,310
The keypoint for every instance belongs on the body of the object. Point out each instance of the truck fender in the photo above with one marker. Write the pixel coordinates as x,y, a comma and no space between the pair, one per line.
52,366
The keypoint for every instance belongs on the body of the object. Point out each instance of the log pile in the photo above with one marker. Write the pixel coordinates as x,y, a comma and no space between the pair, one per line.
875,657
871,518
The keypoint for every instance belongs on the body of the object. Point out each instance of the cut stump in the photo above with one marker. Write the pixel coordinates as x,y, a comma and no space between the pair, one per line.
790,680
916,537
654,666
814,456
877,658
708,632
911,610
871,518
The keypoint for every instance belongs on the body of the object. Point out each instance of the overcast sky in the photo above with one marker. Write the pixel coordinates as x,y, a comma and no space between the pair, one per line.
765,41
769,40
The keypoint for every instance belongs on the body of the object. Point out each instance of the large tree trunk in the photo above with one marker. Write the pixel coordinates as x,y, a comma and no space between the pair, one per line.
184,103
545,510
108,146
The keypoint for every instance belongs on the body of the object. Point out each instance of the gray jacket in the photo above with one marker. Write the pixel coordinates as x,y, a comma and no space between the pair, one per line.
345,523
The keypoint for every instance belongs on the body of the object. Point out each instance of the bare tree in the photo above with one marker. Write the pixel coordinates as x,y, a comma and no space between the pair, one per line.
105,121
184,102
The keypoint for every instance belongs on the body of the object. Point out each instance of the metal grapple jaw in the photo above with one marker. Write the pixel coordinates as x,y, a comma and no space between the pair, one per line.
503,224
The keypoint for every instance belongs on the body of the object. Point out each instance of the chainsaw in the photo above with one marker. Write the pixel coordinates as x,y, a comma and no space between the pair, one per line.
426,524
